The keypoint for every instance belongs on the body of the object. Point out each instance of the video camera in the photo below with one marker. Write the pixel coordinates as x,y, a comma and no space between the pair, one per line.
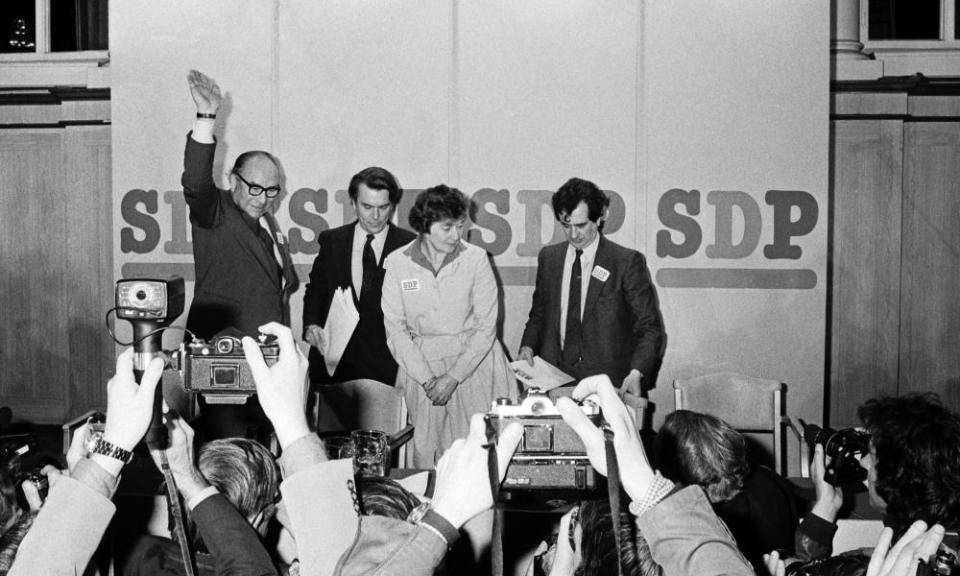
550,456
843,448
215,369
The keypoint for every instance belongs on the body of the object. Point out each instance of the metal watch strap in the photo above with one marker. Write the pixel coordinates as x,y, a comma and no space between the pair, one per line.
106,448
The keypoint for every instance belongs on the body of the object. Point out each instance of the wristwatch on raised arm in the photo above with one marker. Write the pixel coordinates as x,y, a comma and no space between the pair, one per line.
107,448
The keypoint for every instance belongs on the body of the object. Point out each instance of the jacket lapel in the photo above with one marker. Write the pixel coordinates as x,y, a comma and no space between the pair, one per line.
557,258
263,255
289,279
602,259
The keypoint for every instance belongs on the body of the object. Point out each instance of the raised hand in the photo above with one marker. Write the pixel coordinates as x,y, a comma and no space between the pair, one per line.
636,475
829,497
180,456
463,486
282,388
915,545
205,92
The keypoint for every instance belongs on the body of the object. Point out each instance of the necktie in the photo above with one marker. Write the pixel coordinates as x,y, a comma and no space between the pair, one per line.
369,267
571,344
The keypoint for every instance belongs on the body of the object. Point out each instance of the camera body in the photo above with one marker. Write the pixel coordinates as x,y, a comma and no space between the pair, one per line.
843,448
550,456
219,370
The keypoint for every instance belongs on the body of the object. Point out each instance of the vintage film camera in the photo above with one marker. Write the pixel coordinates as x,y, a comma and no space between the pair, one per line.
218,369
215,369
550,456
843,448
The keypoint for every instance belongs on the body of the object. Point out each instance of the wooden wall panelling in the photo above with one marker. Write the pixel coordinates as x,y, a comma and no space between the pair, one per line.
87,172
867,176
930,312
34,341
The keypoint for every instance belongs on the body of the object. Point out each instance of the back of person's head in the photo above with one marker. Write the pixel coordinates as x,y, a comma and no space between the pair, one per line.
915,442
385,497
598,547
694,448
244,471
376,178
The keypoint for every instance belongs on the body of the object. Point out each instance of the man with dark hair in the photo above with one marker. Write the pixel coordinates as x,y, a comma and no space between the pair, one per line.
351,257
913,471
594,307
243,271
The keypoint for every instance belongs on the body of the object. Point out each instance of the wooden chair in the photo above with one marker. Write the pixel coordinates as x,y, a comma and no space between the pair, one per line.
363,404
749,404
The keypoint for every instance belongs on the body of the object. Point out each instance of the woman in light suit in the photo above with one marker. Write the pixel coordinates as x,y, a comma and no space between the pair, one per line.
440,314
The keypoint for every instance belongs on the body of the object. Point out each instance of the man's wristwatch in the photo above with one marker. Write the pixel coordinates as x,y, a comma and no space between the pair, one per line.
113,451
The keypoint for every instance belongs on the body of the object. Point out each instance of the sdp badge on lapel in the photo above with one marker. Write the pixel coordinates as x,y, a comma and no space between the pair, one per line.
412,285
600,273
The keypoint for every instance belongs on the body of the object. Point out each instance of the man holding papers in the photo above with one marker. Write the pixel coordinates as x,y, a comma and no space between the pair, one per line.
594,307
350,261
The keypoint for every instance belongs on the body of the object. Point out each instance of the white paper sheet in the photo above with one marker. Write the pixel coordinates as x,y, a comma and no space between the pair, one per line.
342,319
542,374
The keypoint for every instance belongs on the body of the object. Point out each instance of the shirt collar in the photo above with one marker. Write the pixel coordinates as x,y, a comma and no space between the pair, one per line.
415,253
360,234
589,251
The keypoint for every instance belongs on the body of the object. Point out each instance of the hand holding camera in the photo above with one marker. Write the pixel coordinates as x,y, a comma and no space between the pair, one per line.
829,497
282,387
636,475
463,484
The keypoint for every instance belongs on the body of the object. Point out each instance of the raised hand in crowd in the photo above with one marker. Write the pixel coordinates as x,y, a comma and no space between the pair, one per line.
180,457
205,92
636,475
829,497
463,484
918,544
282,387
129,408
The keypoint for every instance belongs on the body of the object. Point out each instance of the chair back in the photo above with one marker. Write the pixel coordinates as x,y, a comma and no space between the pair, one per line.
749,404
364,404
360,404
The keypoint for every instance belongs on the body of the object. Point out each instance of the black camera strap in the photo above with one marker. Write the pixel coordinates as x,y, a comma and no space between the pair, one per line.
179,531
613,491
493,473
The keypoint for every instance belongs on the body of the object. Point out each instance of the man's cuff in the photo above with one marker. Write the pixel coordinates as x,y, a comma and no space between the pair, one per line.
201,496
203,130
817,528
94,476
437,524
659,489
302,453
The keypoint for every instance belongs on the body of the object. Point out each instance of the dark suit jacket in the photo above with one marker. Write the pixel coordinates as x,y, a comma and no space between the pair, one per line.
366,355
238,280
234,547
622,327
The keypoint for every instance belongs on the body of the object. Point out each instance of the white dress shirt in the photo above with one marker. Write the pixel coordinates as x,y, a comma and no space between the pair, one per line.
356,253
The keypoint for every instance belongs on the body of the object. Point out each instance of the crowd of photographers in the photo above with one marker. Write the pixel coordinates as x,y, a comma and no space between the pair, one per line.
698,509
